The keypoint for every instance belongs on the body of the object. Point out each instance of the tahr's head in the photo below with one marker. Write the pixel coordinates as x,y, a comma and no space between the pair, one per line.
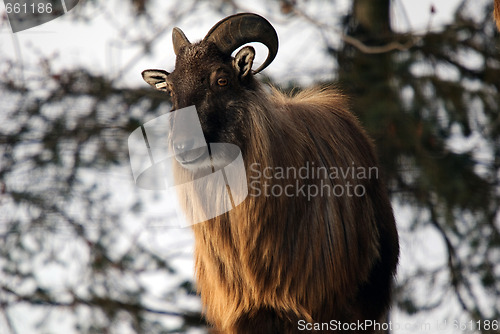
217,84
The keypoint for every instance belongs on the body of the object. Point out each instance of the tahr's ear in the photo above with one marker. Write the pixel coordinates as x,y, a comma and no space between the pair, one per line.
243,61
156,78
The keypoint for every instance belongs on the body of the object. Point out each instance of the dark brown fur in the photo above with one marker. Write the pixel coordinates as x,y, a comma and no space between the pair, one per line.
496,13
273,261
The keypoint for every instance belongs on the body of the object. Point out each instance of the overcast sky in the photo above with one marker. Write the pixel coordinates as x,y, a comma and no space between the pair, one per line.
99,44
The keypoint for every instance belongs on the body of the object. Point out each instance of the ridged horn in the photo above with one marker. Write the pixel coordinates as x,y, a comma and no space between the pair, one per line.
179,40
237,30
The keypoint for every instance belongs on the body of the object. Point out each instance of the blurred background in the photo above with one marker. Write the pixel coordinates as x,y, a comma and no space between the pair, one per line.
83,250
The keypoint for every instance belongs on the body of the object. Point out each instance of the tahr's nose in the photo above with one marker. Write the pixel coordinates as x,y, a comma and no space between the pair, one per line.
188,151
181,146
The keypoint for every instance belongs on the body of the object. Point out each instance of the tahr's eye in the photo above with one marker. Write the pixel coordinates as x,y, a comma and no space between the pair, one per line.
222,82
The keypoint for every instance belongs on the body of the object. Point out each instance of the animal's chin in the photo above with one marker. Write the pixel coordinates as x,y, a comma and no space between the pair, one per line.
194,159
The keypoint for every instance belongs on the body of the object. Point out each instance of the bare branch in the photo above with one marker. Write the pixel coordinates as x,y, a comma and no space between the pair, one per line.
392,46
453,265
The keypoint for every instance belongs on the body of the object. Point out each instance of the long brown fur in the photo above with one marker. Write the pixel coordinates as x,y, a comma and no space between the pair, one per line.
272,261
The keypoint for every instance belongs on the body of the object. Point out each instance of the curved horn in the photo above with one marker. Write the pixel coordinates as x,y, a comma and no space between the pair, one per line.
237,30
179,40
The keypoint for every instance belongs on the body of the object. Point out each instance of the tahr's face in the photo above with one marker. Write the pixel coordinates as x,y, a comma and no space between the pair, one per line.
205,78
